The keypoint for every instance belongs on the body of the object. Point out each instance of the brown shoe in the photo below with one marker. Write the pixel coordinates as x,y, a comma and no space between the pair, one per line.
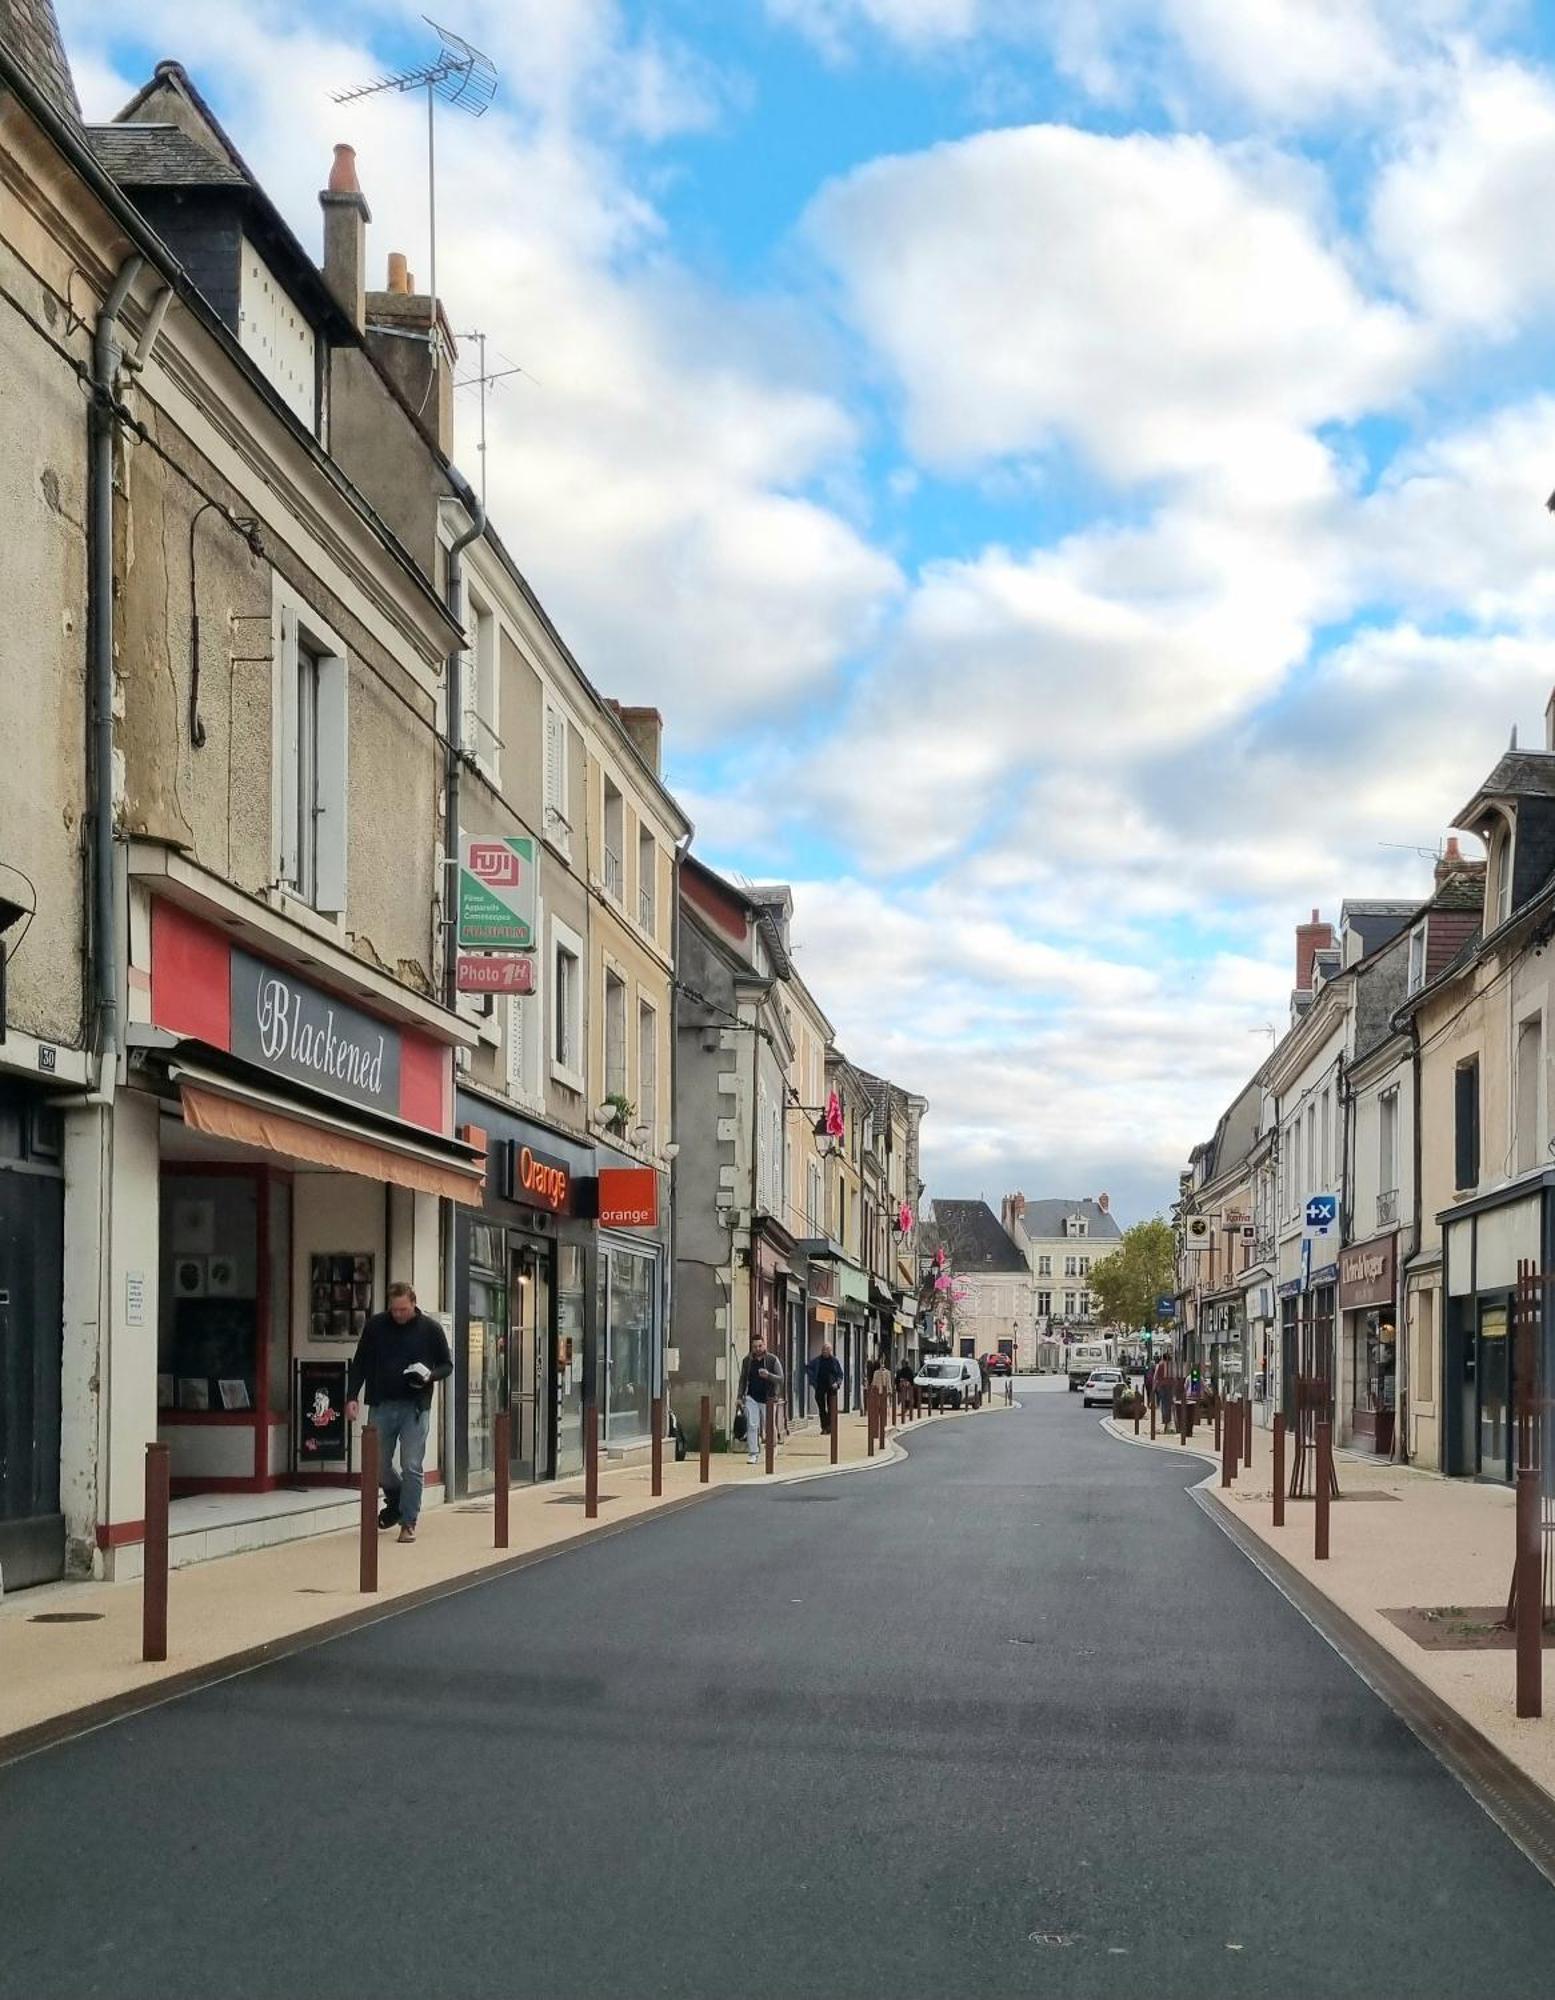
406,1533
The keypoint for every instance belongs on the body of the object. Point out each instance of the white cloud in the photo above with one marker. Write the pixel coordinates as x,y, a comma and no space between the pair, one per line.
1166,305
660,469
1461,215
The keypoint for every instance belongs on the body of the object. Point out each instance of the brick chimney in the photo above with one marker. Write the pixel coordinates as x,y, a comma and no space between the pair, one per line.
1311,938
409,337
645,728
1104,1202
346,216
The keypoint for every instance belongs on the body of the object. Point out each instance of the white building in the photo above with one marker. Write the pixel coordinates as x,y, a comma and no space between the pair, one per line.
1062,1240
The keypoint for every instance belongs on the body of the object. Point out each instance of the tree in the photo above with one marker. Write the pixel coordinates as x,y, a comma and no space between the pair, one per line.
1126,1284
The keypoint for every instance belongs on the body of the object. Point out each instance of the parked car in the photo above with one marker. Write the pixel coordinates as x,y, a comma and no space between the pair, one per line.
997,1364
1099,1385
949,1381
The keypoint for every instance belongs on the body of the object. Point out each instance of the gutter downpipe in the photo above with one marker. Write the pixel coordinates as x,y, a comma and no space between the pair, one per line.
453,592
108,1027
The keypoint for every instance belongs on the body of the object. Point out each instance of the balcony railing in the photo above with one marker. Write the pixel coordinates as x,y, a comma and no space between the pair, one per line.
1387,1208
615,875
645,910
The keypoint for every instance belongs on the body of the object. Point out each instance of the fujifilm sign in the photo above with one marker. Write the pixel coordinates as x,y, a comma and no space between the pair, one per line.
295,1030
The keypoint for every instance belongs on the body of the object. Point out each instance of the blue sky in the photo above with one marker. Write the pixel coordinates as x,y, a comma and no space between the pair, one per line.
1072,477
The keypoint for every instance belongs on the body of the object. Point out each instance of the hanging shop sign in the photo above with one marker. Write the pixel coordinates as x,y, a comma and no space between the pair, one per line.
628,1198
496,909
294,1030
495,975
535,1179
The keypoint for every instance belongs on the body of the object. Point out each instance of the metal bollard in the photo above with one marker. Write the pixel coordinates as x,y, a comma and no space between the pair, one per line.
1324,1483
591,1460
869,1421
367,1578
657,1487
769,1426
1530,1597
1279,1468
836,1426
501,1472
707,1441
153,1582
1150,1399
1247,1433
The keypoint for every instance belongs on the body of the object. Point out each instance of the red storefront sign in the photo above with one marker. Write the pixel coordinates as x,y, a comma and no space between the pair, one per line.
495,975
628,1198
209,989
539,1179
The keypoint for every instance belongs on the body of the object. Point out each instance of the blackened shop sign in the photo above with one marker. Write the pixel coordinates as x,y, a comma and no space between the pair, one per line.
294,1030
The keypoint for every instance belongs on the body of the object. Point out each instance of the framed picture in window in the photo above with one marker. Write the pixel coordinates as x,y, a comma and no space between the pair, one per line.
341,1293
188,1277
221,1277
234,1394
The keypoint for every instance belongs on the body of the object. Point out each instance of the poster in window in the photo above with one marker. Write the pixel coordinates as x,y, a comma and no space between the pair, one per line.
322,1434
194,1392
233,1393
188,1277
221,1277
193,1226
341,1292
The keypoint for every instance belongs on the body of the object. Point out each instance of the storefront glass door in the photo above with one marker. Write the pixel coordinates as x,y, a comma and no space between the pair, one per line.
487,1386
630,1290
529,1363
568,1404
1493,1376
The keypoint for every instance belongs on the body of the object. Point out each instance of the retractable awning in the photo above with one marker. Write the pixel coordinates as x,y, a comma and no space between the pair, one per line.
226,1109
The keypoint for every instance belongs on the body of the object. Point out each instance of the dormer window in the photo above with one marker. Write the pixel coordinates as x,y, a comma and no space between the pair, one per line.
1076,1225
1501,877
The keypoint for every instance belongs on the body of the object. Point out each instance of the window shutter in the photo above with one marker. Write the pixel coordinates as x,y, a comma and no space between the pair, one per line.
334,782
517,1071
1466,1125
285,737
555,762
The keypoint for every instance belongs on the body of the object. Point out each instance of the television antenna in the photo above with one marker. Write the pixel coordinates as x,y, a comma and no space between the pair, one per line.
461,75
482,380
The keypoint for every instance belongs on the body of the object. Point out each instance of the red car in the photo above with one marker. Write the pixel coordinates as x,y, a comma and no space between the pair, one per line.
997,1364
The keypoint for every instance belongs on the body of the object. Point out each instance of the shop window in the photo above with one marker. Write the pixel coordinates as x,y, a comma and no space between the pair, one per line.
570,1304
208,1331
628,1284
309,707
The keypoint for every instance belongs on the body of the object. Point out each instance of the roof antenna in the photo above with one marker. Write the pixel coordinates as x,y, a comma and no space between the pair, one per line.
460,75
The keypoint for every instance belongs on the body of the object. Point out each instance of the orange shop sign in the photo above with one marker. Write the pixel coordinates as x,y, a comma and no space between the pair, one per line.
628,1198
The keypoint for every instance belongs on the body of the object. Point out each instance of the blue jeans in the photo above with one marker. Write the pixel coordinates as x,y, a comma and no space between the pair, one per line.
405,1423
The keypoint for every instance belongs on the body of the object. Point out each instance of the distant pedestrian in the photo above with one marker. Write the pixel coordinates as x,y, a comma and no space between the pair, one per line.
1161,1388
825,1379
400,1354
904,1384
760,1378
880,1381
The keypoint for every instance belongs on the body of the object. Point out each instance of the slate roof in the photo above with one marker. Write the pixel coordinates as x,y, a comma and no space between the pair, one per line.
1461,892
30,31
1521,774
1044,1219
145,156
972,1233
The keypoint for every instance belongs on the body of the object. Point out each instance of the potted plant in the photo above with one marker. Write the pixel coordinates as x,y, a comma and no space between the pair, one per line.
616,1111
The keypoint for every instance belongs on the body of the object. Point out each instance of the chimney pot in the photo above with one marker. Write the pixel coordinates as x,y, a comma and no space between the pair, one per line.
1103,1202
342,172
398,276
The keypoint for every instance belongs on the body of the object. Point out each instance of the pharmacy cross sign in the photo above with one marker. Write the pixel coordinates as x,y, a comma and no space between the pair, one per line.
496,893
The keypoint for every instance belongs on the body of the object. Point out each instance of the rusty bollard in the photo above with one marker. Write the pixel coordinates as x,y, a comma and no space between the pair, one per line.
368,1566
707,1441
1530,1597
502,1475
657,1486
1325,1474
153,1581
1279,1468
591,1460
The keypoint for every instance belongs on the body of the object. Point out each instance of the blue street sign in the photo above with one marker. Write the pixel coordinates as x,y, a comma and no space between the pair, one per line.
1165,1308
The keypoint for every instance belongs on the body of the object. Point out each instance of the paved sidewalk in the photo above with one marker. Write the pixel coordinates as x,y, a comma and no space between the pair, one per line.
1400,1537
225,1609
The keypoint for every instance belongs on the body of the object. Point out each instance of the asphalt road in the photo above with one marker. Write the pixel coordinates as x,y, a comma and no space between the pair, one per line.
1012,1718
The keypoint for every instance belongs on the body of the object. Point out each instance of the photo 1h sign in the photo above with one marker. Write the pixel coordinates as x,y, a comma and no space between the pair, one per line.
496,893
495,975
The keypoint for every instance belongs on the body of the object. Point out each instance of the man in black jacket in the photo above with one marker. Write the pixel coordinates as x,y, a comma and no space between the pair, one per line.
400,1355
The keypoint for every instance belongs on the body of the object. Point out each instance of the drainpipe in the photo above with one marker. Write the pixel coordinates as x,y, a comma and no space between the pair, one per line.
452,594
100,624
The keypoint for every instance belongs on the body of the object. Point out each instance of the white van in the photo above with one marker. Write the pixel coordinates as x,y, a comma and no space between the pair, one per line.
1085,1355
949,1380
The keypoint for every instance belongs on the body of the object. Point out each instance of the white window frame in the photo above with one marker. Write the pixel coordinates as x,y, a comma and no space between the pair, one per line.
1387,1140
612,973
569,1074
481,678
647,892
294,625
612,860
1045,1267
648,1114
556,776
1416,977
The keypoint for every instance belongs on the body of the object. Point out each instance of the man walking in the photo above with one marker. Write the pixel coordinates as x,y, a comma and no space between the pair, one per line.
760,1375
825,1378
1161,1388
401,1353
